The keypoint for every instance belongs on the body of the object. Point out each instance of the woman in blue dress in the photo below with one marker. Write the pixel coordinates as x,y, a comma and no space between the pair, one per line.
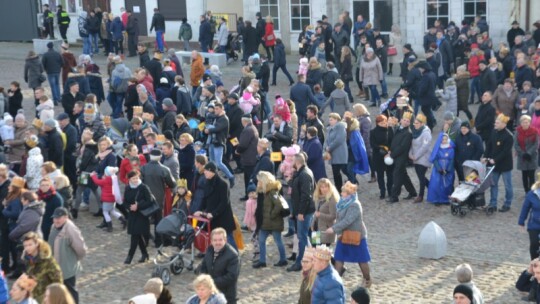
441,183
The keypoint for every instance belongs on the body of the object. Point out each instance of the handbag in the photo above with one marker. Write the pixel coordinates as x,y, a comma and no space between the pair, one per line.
285,211
392,51
152,209
270,37
42,78
350,237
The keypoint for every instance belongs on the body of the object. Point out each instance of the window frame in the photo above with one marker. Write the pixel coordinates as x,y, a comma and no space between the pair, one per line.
300,18
465,16
276,19
438,16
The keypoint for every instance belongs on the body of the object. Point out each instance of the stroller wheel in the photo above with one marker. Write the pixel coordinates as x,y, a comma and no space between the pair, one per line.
165,276
178,266
462,213
156,272
455,210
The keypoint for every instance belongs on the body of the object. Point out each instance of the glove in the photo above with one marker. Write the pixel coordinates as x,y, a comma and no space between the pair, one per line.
526,157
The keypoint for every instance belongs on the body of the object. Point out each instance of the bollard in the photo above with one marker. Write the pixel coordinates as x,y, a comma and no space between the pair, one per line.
432,242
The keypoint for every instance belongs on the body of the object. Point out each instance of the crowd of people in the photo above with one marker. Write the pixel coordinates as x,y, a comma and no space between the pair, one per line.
170,143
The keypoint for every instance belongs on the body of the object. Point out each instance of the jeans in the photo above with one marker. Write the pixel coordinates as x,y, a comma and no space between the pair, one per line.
94,38
231,241
475,88
507,179
186,45
159,40
374,94
263,234
116,100
266,108
54,82
384,86
275,68
302,229
216,155
87,46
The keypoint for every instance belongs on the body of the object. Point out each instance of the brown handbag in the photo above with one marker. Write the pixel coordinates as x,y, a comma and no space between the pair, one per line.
351,237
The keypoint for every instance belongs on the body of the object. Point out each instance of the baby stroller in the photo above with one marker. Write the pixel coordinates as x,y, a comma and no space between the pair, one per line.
233,46
470,193
174,227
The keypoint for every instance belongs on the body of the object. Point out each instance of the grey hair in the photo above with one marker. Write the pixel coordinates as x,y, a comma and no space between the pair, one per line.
246,119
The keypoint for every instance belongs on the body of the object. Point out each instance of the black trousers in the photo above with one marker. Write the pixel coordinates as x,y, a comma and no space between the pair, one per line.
527,176
158,240
401,178
71,284
389,179
132,44
421,173
138,240
70,169
248,171
534,242
63,31
118,47
4,249
336,171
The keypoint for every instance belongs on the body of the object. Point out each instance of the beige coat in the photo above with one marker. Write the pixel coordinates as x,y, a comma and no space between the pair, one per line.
503,103
17,145
326,219
371,72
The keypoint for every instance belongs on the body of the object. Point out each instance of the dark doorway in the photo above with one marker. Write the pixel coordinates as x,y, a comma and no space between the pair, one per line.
89,5
139,13
21,13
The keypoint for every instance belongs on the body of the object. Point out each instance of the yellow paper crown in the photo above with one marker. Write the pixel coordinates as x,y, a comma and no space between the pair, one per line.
421,118
322,252
32,141
309,252
137,110
107,119
89,111
503,118
37,123
181,183
407,115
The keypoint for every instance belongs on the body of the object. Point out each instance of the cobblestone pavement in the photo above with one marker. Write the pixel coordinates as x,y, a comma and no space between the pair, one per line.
493,245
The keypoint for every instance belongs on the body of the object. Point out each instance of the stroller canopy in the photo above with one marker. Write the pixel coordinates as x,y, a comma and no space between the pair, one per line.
171,224
470,165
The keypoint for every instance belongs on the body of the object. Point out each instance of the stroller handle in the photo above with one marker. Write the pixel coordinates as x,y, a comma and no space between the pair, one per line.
205,222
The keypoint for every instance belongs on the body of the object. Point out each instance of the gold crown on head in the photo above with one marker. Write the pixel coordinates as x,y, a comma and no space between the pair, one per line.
322,252
503,118
37,123
421,118
137,110
407,115
89,111
181,183
107,119
309,253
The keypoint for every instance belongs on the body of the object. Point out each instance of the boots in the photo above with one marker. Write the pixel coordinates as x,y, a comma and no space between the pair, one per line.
143,258
292,257
128,259
471,122
109,226
124,222
99,213
419,199
102,225
390,66
74,213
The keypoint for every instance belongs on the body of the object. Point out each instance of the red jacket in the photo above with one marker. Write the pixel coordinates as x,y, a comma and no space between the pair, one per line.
105,184
474,65
148,83
125,168
269,33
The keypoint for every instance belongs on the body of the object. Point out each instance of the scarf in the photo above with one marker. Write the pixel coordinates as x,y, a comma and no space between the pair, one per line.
417,132
344,202
134,186
507,92
31,259
46,195
524,135
104,154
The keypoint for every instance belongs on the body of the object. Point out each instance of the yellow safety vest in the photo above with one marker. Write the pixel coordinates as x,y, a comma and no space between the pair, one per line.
65,18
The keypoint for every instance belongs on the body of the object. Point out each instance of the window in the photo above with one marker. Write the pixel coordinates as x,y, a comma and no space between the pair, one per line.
436,9
378,12
473,8
270,8
299,14
172,9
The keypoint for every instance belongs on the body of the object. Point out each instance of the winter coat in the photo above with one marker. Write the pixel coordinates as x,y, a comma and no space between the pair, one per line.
33,168
279,55
327,218
216,201
505,104
484,120
81,79
157,177
199,181
172,163
467,147
205,34
317,123
235,120
269,37
51,204
329,79
138,224
106,185
155,68
426,89
463,90
302,96
371,72
401,144
119,78
247,145
473,65
271,211
445,50
116,29
345,72
336,143
125,168
83,24
499,148
222,34
263,164
29,220
488,80
530,210
315,162
339,39
108,161
303,186
158,22
168,122
340,99
14,102
314,76
522,74
527,159
328,287
449,95
224,268
52,62
251,40
382,54
220,132
185,33
45,270
183,101
281,137
11,212
197,71
17,144
33,70
68,248
380,138
421,148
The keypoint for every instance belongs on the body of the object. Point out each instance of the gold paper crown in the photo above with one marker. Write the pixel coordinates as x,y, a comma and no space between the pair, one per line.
322,252
137,110
89,111
26,283
421,118
107,119
503,118
181,183
37,123
308,253
407,115
32,141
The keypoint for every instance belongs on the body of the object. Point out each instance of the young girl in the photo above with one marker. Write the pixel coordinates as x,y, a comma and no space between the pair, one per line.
282,108
7,131
303,66
45,108
247,102
251,206
449,94
182,199
110,194
33,163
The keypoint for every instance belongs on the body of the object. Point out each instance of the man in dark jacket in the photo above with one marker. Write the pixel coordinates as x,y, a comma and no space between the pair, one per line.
205,36
329,79
485,118
219,134
303,185
52,64
261,29
312,120
143,54
70,168
499,154
382,52
30,218
468,147
48,22
523,73
221,262
132,29
93,30
158,23
340,38
430,37
488,79
280,134
280,62
235,128
446,52
69,99
251,41
399,151
425,93
302,96
513,32
155,68
247,149
55,145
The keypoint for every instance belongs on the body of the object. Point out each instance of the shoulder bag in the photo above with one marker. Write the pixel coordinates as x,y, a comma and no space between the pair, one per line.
351,237
152,209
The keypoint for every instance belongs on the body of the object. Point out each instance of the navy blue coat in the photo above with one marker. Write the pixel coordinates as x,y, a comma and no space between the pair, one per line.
116,29
205,35
315,161
523,74
531,211
468,147
263,164
302,96
426,89
279,55
51,204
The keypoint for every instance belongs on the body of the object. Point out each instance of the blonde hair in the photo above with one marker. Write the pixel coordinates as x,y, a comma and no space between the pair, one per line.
49,166
335,116
339,84
269,19
59,294
349,187
264,178
525,117
187,137
207,281
61,181
220,231
332,193
360,109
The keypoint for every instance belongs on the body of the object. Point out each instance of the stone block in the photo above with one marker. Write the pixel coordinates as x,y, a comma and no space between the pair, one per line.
432,242
40,45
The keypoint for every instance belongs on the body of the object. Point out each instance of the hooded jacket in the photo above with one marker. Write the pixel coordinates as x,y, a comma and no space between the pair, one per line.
271,214
33,168
32,71
45,269
29,220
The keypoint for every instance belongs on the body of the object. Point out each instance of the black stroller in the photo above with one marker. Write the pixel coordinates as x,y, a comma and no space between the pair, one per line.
233,46
176,228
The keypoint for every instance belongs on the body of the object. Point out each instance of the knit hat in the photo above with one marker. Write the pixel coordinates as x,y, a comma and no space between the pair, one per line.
18,182
247,95
448,116
211,89
206,77
211,166
450,82
51,123
251,188
407,46
168,102
155,286
20,116
465,290
466,124
8,117
233,96
211,105
421,118
474,46
361,295
219,83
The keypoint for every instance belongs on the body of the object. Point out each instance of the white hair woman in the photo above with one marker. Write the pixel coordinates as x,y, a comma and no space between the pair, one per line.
206,291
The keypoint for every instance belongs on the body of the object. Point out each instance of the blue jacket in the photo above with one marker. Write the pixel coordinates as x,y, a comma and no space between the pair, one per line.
530,210
279,55
116,29
302,96
358,149
4,292
315,161
12,212
328,288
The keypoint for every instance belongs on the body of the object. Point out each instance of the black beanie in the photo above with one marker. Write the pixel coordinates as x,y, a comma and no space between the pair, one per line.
361,295
465,290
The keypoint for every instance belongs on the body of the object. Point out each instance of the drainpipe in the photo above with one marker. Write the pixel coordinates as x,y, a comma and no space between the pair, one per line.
527,14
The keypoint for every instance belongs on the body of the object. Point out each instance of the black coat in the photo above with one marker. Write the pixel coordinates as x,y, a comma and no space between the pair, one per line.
379,137
447,55
488,80
68,103
317,123
168,122
205,33
405,63
499,148
314,76
468,147
263,164
220,130
89,161
216,201
484,120
303,186
143,58
247,145
224,270
302,96
382,53
401,144
155,69
55,148
329,79
235,120
158,22
279,55
260,27
511,35
251,40
138,224
52,62
282,137
412,81
426,89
